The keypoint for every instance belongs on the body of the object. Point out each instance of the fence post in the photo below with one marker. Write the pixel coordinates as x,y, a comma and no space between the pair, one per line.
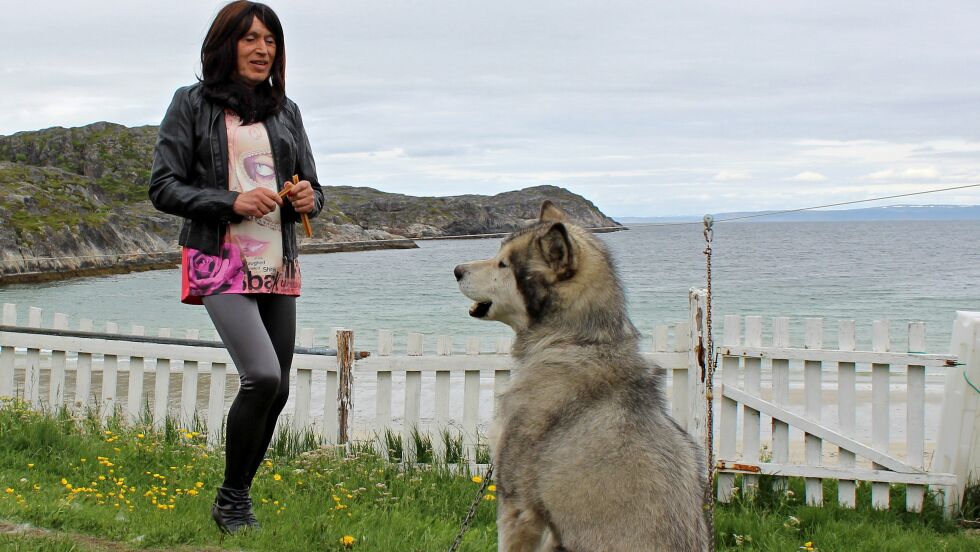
304,388
188,387
958,444
161,386
345,365
697,369
7,354
680,384
412,401
813,388
915,415
751,419
880,436
728,411
441,398
58,363
32,372
382,396
846,411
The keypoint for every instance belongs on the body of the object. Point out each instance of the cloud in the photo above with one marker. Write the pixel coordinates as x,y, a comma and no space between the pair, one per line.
620,101
732,176
915,173
808,176
376,155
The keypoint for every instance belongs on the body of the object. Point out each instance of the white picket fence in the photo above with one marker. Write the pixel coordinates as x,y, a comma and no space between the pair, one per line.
764,391
669,349
742,370
59,351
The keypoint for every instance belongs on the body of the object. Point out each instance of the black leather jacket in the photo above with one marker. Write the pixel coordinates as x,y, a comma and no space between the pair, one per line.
190,169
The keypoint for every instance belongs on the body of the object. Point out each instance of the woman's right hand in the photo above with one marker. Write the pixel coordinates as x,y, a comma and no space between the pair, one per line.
256,203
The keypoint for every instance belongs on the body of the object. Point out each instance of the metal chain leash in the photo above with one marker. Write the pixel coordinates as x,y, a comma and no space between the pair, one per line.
476,503
709,502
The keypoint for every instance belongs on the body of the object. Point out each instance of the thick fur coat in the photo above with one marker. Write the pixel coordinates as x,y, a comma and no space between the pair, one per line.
587,456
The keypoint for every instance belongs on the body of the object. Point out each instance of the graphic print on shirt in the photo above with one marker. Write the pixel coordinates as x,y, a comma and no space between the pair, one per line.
251,258
258,238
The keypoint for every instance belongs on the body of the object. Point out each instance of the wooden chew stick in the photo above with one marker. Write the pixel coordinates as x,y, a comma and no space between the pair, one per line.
306,219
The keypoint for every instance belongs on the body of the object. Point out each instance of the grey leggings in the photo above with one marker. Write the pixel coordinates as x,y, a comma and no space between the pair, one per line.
258,331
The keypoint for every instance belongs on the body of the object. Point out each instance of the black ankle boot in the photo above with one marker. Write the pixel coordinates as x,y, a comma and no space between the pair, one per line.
232,510
251,520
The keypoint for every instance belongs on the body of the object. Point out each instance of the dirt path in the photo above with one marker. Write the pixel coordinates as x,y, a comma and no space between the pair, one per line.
95,543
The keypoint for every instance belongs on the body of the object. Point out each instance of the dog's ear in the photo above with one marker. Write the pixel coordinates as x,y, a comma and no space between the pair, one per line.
551,213
556,248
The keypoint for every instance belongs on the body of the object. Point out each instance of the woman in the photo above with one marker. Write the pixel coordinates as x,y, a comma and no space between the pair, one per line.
226,147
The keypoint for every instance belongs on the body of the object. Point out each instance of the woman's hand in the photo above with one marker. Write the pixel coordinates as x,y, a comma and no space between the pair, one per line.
257,203
301,196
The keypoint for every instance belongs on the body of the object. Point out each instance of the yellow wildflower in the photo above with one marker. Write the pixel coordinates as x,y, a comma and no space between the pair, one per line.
489,497
347,541
492,488
277,477
30,466
140,436
477,479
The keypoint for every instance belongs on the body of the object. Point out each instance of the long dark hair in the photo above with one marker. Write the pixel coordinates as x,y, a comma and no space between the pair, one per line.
219,63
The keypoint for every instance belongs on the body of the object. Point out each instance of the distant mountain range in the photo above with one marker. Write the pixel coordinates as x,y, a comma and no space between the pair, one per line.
894,212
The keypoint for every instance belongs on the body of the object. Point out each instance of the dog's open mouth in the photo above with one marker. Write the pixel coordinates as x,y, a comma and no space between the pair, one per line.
479,310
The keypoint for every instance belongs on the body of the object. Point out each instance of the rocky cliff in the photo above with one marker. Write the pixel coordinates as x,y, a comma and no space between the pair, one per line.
73,201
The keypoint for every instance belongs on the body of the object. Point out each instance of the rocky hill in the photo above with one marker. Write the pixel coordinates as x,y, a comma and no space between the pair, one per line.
74,201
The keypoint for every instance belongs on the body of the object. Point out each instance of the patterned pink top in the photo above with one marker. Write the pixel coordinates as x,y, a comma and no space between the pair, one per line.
251,258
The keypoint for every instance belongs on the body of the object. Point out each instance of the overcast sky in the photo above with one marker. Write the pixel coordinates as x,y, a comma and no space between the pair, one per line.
647,108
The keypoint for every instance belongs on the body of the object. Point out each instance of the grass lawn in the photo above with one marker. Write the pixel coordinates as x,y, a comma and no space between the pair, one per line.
75,484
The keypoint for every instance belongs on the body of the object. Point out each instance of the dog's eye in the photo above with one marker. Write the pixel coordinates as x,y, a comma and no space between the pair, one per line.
502,264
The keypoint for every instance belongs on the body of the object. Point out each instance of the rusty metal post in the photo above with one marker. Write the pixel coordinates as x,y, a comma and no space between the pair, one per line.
345,365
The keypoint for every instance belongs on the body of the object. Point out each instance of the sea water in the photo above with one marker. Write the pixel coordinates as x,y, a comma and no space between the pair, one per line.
864,271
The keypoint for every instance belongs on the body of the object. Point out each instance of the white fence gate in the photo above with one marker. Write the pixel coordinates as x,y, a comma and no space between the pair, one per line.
816,370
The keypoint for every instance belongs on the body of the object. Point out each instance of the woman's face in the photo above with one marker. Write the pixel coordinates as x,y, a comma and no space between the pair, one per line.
256,51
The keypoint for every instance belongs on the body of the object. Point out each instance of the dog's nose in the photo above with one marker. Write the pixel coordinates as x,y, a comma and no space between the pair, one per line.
459,272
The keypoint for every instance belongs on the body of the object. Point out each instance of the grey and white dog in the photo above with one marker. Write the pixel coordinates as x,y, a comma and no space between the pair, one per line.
587,457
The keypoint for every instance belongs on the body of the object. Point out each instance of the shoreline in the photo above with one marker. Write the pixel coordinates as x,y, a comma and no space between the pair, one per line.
594,230
172,259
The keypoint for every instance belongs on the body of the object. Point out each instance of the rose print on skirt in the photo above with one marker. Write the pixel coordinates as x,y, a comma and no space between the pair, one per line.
208,274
